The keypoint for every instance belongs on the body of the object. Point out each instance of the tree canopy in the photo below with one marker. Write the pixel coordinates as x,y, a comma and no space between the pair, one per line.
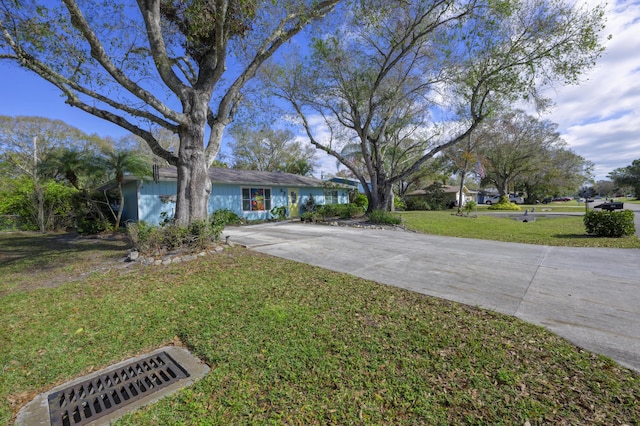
271,150
519,150
26,141
628,176
406,80
50,168
177,65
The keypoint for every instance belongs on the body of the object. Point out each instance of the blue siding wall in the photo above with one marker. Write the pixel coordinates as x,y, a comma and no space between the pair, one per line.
130,192
279,197
152,205
318,195
153,200
306,193
230,197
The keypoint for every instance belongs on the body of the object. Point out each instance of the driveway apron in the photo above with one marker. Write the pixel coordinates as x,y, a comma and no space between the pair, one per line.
636,209
589,296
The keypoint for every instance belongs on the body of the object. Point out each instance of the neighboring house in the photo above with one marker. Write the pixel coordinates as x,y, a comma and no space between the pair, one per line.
248,193
353,183
451,192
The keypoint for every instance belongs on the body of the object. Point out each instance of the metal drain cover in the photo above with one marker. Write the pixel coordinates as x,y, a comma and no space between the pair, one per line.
112,392
94,398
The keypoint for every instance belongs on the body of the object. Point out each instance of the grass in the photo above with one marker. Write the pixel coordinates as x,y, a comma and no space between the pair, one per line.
293,344
52,259
550,230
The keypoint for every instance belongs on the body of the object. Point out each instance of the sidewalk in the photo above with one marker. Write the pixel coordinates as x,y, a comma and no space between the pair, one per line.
589,296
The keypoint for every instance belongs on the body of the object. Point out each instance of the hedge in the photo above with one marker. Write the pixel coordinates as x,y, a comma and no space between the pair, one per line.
610,223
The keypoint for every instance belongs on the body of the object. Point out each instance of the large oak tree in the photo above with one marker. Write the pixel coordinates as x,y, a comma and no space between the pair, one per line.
420,76
178,65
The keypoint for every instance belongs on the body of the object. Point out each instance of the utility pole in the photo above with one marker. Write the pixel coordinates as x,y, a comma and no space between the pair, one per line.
38,189
35,154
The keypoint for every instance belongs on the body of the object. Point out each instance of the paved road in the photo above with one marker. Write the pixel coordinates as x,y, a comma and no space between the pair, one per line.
636,210
589,296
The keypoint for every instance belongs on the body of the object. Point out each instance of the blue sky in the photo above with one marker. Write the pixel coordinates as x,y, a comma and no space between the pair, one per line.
600,119
24,93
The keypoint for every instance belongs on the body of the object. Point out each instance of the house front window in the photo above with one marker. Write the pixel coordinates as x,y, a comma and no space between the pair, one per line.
331,197
256,199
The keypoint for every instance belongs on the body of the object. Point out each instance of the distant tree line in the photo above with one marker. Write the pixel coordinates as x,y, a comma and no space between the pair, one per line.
627,178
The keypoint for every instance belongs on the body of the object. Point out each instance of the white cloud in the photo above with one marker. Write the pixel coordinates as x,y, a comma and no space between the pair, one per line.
600,119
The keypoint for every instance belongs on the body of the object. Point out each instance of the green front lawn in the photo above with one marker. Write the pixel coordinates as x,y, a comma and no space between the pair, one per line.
549,230
293,344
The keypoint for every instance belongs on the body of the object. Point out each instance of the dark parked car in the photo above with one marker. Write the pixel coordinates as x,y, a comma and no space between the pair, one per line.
562,199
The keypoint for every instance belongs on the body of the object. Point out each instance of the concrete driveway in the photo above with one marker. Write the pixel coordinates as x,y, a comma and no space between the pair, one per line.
589,296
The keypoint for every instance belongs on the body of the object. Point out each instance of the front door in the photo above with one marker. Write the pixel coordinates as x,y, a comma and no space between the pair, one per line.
293,202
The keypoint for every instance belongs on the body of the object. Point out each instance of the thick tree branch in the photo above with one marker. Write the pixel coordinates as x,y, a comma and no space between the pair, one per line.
99,54
150,10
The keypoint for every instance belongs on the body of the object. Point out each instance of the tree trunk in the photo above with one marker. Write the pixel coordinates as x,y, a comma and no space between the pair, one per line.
502,185
392,201
39,194
460,194
381,199
94,205
120,206
388,197
194,184
373,203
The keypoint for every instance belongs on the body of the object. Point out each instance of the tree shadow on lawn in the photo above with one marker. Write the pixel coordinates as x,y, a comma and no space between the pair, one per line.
29,257
588,237
575,236
17,246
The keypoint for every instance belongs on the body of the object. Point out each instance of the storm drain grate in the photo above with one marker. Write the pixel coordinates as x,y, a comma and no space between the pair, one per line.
94,398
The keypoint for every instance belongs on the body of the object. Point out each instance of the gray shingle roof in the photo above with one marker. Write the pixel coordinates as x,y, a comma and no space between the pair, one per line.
245,177
240,177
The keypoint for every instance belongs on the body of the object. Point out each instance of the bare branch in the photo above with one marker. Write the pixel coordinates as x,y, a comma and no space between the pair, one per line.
156,148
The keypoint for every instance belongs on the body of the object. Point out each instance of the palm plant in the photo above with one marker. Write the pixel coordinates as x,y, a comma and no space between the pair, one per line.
120,163
69,164
76,167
